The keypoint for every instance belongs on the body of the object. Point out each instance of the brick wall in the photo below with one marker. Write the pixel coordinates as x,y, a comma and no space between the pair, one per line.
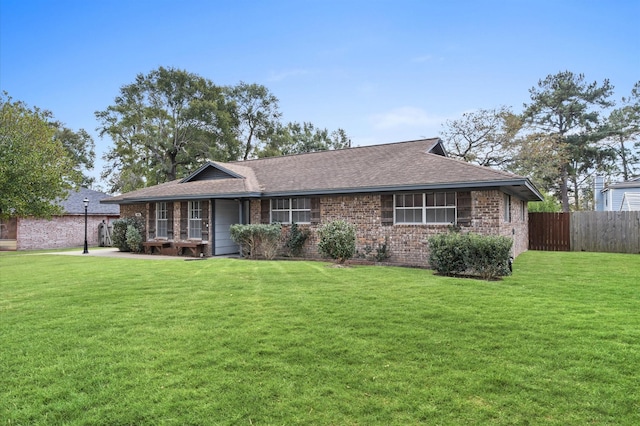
59,232
408,243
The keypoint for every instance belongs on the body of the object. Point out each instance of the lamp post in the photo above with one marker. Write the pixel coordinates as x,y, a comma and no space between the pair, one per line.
86,204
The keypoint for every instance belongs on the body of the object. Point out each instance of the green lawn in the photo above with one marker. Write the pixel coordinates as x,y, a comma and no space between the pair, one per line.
87,340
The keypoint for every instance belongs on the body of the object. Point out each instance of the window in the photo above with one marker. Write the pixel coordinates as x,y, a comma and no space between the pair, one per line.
291,210
507,208
195,220
425,208
161,220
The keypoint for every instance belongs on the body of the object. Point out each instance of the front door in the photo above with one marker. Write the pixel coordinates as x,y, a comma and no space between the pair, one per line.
227,213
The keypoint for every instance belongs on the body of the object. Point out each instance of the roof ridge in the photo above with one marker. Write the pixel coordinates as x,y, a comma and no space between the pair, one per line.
240,162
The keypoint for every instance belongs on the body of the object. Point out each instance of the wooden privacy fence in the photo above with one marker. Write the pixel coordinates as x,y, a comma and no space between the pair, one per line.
549,231
612,232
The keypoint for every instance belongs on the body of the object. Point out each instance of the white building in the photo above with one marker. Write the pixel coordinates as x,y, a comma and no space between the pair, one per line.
620,196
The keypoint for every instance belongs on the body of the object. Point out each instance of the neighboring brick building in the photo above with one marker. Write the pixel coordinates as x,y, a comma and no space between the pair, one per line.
398,194
62,231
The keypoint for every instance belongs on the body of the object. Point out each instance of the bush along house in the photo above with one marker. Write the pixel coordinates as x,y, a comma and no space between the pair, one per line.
396,194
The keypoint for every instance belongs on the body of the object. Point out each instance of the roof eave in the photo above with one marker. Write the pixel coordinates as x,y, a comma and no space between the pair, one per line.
534,194
186,197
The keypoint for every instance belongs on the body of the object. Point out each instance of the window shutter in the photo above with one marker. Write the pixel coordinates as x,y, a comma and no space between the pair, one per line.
170,221
265,211
464,208
315,210
152,221
184,220
205,220
386,209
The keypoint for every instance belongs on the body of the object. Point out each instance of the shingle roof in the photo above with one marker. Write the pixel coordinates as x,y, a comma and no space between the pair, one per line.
396,166
74,203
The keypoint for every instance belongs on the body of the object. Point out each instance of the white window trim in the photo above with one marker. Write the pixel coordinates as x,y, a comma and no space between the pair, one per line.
424,208
159,219
290,210
194,220
507,217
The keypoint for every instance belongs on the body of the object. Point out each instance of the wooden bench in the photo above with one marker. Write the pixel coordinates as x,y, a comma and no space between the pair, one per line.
196,248
151,247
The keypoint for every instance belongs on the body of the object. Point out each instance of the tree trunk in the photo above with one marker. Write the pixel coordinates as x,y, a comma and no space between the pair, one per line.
564,188
623,156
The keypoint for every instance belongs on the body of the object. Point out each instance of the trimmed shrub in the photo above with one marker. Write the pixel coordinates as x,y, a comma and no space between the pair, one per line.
337,240
120,228
257,240
447,253
489,256
296,239
485,256
134,239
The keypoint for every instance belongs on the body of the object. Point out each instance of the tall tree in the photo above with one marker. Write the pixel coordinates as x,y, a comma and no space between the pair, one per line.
164,124
296,138
623,129
486,137
563,105
257,115
81,149
35,167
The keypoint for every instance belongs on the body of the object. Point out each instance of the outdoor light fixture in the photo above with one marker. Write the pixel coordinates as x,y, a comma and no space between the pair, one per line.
86,204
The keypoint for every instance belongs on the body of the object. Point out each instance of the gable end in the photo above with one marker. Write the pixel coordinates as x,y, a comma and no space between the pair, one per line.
211,171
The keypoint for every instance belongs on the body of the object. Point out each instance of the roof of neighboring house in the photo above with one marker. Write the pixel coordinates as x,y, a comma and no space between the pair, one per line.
74,203
633,183
400,166
630,201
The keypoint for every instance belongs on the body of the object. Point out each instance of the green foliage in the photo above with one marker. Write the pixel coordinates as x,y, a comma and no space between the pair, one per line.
257,115
296,239
550,204
447,253
163,125
488,256
35,168
337,240
383,252
81,149
257,240
120,233
296,138
134,239
622,129
563,108
454,253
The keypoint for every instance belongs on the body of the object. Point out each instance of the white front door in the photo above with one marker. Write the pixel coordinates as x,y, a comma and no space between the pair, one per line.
227,213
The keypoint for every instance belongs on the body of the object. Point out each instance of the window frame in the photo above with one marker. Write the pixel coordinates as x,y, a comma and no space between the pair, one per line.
195,218
425,208
162,222
507,214
289,209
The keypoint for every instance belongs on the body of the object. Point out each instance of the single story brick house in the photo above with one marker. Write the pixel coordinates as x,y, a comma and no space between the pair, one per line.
61,231
400,193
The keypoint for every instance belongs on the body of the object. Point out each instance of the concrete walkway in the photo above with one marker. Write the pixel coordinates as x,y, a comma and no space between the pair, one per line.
114,252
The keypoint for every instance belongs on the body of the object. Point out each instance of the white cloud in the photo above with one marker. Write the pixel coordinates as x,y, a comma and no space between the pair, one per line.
426,59
283,75
403,117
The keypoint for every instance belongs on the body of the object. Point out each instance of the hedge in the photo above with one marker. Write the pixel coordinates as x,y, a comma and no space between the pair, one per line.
257,240
470,254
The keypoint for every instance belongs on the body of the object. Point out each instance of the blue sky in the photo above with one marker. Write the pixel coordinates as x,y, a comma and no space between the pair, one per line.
384,71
